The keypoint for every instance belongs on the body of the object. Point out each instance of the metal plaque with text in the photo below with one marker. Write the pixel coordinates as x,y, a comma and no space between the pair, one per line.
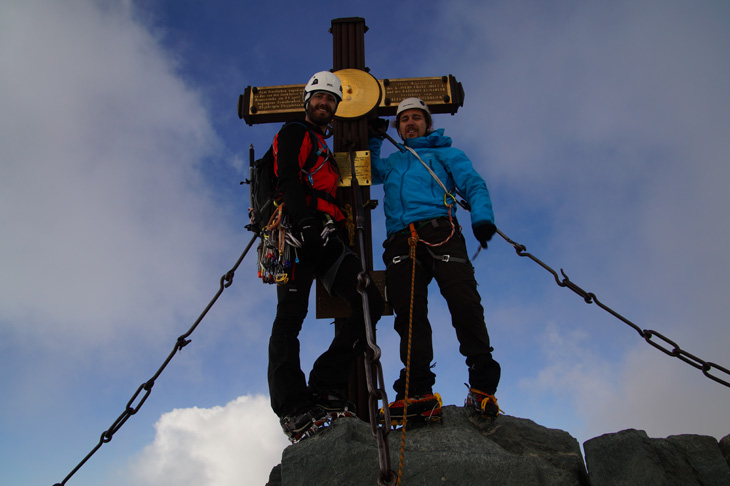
362,168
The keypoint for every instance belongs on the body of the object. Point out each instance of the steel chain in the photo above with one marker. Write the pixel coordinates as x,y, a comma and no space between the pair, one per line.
674,349
373,368
144,390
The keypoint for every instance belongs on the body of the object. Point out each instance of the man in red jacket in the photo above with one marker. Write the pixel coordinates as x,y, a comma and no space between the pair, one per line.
307,180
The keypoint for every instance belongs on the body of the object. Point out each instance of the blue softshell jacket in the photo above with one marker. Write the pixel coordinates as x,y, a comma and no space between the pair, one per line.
412,194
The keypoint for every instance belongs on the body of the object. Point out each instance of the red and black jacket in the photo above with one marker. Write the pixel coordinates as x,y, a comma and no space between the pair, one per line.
306,172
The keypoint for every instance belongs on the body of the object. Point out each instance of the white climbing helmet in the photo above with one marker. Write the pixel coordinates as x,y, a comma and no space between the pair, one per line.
323,81
410,103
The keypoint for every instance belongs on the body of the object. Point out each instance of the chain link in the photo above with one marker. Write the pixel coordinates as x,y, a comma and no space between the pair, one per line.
144,390
373,368
648,335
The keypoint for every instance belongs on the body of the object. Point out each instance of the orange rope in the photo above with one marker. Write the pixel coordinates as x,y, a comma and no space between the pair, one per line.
453,230
412,242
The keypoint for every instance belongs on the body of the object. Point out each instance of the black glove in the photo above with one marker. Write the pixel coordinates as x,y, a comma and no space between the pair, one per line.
312,242
377,127
484,232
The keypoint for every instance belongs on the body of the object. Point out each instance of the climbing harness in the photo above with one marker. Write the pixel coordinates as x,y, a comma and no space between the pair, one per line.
647,334
373,369
144,390
277,251
445,240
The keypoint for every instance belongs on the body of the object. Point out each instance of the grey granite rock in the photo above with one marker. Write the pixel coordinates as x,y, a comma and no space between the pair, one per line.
631,457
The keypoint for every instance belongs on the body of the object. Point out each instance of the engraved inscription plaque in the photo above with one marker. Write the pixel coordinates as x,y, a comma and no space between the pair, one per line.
442,94
277,99
362,168
430,90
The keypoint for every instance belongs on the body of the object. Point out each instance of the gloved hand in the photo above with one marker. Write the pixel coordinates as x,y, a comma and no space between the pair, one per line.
377,127
484,232
312,242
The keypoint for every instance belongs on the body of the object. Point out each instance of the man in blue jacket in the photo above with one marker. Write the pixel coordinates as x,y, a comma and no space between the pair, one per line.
419,201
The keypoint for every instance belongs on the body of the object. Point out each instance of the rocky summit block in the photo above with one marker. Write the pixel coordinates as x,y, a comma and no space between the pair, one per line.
725,448
631,457
461,450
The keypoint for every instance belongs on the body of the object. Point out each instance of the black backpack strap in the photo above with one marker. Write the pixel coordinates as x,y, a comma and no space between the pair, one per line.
314,155
326,196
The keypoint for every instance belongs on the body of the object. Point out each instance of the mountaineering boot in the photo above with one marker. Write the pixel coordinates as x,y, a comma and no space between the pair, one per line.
334,404
482,403
421,409
303,423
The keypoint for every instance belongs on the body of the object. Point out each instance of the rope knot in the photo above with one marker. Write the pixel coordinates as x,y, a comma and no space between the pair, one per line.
413,240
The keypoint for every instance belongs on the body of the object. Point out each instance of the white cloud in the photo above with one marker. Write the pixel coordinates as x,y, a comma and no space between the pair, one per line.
102,203
588,394
573,376
660,395
238,443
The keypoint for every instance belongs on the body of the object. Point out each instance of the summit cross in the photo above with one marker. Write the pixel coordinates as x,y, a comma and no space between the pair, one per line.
364,97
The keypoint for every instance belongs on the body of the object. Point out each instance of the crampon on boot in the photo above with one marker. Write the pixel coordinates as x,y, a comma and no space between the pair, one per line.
420,410
482,403
335,404
304,423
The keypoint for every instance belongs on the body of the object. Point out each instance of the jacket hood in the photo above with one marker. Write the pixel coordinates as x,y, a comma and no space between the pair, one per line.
433,139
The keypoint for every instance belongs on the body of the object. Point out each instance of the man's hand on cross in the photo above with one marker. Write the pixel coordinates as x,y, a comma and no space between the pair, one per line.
377,127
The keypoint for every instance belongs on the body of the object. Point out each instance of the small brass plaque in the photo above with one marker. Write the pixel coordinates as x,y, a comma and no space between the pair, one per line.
277,99
362,168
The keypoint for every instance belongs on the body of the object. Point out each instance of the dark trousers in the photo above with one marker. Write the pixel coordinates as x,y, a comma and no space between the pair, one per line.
331,371
458,286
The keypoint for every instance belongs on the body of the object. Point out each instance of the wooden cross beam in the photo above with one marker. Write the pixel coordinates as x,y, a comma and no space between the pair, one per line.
364,97
268,104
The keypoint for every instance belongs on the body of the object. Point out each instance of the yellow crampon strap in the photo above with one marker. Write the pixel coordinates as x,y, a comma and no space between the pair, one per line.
483,403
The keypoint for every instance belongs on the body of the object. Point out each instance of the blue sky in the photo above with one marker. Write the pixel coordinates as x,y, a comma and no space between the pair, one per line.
602,129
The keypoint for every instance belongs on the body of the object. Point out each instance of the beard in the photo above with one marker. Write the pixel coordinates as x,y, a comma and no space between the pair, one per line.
321,119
